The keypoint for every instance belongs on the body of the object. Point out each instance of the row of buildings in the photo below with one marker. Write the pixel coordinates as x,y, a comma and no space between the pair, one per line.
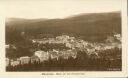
41,56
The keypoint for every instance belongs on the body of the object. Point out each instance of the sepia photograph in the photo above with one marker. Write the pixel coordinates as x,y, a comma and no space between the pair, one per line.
63,35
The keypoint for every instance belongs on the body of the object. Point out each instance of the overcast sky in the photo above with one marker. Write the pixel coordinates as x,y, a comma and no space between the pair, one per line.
32,9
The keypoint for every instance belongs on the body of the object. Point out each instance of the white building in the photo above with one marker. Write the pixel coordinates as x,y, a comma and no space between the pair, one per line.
42,55
25,60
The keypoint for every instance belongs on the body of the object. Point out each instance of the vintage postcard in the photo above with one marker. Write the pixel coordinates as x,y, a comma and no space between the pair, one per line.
77,38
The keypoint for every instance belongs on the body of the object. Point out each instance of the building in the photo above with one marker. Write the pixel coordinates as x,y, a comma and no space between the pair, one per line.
25,60
42,55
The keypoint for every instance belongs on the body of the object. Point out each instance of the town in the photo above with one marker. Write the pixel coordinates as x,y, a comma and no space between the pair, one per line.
66,47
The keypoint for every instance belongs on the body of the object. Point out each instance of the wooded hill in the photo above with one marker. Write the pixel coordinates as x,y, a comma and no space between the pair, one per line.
90,26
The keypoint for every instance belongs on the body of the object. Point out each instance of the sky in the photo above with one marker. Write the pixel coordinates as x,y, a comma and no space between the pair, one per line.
33,9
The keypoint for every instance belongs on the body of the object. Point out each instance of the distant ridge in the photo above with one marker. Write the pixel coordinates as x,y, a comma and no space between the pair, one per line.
92,27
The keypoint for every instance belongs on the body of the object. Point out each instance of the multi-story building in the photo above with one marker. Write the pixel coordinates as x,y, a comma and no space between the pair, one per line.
42,55
25,60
